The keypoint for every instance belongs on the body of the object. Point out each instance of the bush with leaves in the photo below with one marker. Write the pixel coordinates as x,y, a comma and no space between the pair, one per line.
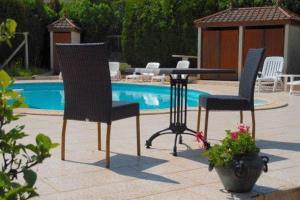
234,144
32,16
17,158
7,31
98,19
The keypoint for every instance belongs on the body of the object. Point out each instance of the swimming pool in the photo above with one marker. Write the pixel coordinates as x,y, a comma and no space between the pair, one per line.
50,96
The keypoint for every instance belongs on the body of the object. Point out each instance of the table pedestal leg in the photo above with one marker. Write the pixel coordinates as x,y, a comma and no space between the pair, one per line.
178,113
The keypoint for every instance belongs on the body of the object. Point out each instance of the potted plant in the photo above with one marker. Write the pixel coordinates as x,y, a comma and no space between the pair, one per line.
236,160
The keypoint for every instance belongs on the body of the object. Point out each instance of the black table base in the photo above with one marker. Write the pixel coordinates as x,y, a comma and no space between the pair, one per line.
178,113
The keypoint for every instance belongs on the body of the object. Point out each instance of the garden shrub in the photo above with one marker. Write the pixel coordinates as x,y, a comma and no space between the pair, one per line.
153,30
32,16
17,158
97,19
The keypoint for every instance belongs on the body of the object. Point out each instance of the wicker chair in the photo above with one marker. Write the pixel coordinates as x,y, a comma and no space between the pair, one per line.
243,101
88,91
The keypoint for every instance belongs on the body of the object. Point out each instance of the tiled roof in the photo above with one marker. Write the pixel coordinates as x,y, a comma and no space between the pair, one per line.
252,16
63,24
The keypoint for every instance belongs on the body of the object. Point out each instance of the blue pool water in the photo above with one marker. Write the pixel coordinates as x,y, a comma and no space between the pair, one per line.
50,96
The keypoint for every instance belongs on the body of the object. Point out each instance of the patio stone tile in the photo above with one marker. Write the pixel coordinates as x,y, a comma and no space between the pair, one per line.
200,176
269,183
126,190
290,175
173,195
44,188
85,180
164,168
215,191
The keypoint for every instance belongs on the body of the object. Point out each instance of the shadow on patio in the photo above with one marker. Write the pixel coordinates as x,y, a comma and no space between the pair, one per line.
133,166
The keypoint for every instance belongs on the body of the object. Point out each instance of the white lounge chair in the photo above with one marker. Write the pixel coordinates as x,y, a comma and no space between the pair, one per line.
150,70
272,68
182,64
114,68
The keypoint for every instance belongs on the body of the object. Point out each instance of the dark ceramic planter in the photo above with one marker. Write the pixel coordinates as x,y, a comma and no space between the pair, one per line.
241,175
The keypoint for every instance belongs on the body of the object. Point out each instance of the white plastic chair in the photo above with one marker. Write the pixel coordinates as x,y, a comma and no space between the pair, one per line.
182,64
151,70
272,68
114,68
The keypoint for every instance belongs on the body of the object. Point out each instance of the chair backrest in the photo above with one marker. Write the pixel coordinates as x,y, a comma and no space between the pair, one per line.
152,65
249,74
114,66
183,64
87,84
272,67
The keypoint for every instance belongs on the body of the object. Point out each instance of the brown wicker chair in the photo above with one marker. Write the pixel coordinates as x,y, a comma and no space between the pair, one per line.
88,92
243,101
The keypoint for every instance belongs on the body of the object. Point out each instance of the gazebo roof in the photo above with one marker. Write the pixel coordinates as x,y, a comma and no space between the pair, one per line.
251,16
63,25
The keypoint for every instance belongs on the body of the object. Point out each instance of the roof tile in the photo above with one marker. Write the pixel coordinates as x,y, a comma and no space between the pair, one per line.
255,15
63,24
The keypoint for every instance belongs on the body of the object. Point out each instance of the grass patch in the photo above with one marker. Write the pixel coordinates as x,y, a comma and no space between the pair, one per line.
22,72
16,69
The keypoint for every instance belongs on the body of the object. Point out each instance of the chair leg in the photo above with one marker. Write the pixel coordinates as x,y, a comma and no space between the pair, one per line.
253,124
108,145
275,86
99,135
206,124
241,117
63,138
138,137
198,118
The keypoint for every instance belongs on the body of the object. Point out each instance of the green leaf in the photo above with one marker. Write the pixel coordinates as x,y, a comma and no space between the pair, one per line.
54,145
44,141
11,25
31,147
4,180
5,79
30,177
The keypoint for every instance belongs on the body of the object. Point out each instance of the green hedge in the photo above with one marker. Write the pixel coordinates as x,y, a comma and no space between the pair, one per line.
153,30
97,19
31,16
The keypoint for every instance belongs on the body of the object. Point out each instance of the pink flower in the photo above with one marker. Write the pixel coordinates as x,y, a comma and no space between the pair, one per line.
199,137
234,135
243,128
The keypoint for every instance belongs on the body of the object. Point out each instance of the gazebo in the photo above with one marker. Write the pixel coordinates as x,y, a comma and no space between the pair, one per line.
225,37
61,31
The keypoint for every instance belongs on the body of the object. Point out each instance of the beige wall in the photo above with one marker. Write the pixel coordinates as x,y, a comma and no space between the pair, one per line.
75,37
293,50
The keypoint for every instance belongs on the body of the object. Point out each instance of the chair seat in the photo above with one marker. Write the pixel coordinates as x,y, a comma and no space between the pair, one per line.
121,110
133,76
268,79
224,102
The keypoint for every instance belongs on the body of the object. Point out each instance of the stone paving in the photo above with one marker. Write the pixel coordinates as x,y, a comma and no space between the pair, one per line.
157,174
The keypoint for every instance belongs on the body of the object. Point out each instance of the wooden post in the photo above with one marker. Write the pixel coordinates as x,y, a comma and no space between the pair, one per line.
26,50
240,51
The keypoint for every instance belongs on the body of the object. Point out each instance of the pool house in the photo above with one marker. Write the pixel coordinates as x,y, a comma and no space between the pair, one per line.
225,37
